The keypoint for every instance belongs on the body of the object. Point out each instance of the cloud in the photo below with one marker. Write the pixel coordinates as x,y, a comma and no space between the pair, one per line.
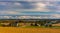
8,12
36,0
55,15
10,5
31,6
17,3
38,6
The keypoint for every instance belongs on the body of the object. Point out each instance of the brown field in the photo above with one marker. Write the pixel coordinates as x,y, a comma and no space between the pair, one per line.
56,24
28,30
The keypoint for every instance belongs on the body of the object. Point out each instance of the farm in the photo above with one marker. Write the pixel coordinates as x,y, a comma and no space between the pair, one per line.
28,26
30,22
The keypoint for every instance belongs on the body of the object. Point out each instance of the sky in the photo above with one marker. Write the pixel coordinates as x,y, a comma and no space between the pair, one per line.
51,8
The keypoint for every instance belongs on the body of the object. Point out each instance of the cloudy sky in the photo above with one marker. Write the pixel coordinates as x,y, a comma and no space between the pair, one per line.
30,7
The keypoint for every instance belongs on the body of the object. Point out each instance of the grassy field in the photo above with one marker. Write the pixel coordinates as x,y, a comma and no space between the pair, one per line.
28,30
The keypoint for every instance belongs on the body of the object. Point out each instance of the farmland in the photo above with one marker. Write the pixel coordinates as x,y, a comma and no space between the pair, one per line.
26,27
28,30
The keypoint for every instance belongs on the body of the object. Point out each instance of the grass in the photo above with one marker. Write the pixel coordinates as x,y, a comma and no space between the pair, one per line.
57,27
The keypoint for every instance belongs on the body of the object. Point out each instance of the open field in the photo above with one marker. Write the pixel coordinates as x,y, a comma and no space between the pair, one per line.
28,30
26,27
